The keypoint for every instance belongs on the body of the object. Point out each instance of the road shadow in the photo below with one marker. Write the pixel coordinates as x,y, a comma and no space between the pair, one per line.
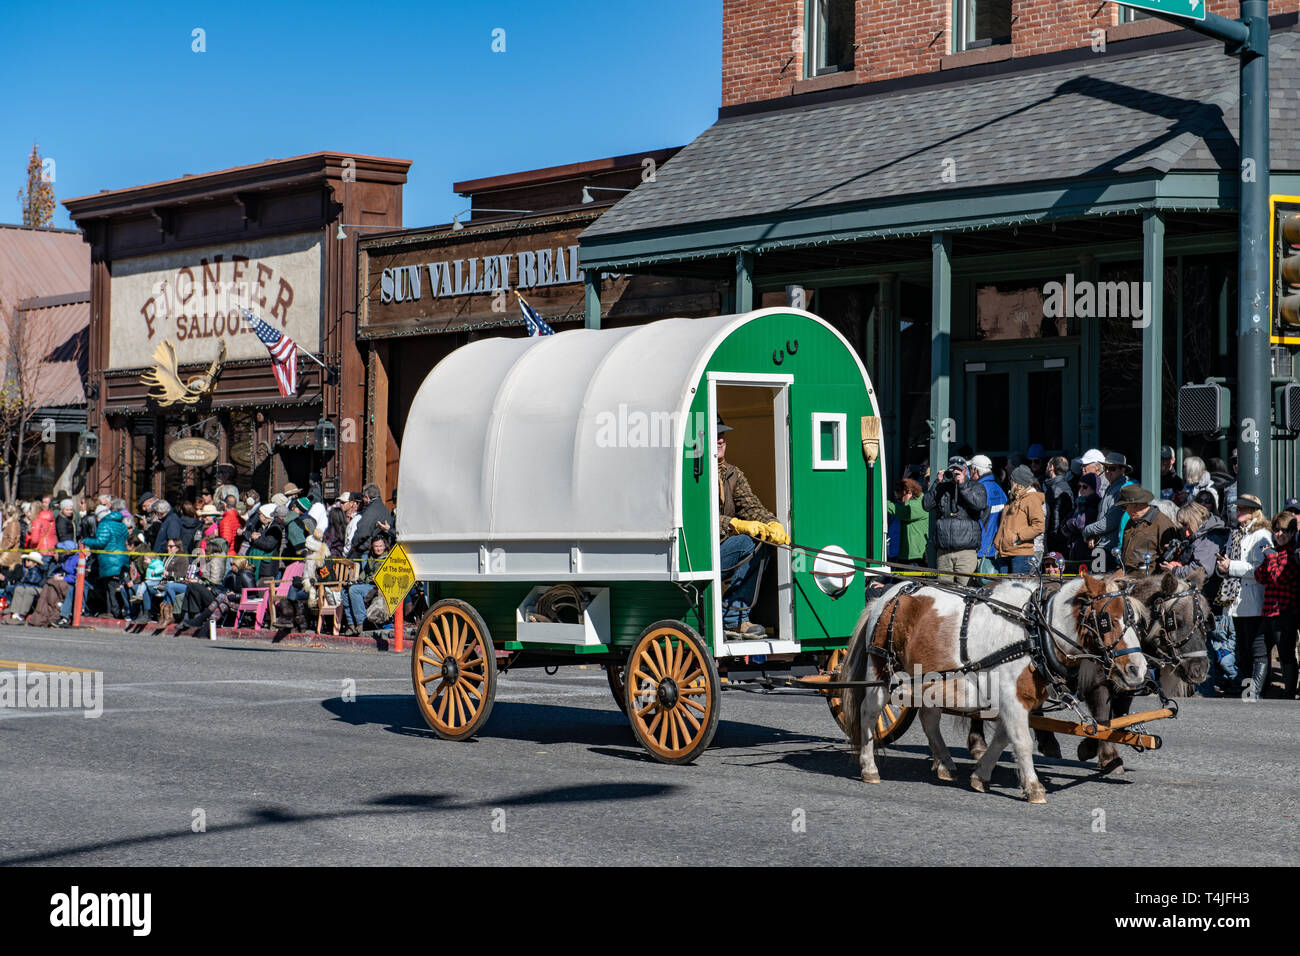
388,805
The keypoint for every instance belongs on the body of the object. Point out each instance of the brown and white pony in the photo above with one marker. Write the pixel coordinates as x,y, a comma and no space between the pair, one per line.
918,634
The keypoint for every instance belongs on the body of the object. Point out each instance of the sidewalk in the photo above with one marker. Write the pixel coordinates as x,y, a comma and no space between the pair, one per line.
374,641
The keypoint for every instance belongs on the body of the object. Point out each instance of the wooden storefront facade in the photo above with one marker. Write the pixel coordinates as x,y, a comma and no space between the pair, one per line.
172,262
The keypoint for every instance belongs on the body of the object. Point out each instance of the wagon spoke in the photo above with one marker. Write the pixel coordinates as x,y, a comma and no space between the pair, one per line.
689,681
672,726
659,656
470,675
434,676
687,715
695,704
430,661
442,706
645,661
695,689
467,705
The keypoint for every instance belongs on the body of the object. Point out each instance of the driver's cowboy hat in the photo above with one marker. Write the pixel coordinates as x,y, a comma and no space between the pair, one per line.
723,426
1115,459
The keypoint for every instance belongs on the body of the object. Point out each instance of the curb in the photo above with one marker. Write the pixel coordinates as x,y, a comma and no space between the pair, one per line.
380,642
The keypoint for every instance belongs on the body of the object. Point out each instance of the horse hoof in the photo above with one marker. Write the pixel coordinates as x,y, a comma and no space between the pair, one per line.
1115,766
944,774
978,749
1036,793
868,777
1051,750
978,785
1087,750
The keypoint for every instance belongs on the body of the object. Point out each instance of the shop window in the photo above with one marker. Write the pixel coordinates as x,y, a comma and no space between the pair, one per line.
1020,310
978,23
1129,15
830,32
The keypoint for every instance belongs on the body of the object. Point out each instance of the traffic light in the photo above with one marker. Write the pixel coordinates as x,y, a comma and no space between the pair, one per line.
1286,266
1204,409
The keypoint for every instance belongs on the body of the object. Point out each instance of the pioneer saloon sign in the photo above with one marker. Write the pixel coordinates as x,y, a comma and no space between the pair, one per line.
194,297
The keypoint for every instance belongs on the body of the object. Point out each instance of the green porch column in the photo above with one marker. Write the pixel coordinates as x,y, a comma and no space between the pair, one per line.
941,429
889,390
1089,366
744,282
1152,325
591,288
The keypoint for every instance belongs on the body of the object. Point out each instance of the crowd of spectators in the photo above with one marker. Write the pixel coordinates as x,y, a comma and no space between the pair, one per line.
1092,511
190,562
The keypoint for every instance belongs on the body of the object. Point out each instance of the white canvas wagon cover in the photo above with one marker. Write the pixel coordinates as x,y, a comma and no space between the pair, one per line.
554,438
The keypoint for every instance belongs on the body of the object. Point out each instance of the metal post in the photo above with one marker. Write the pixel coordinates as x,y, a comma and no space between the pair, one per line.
1254,401
1153,353
744,282
940,357
80,583
1089,365
591,286
398,627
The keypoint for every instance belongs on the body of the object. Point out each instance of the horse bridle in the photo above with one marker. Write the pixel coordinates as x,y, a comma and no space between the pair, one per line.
1168,624
1101,624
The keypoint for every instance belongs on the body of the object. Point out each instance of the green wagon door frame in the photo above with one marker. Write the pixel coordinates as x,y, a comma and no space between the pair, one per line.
780,383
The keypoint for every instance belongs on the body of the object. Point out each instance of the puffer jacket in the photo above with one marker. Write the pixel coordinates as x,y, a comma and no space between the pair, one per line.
42,536
1202,551
996,501
110,535
958,511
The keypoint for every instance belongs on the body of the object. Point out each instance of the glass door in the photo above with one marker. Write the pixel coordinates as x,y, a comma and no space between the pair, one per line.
1009,402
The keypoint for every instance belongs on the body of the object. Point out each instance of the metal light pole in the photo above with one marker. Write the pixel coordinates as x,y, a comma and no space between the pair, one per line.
1254,297
1247,39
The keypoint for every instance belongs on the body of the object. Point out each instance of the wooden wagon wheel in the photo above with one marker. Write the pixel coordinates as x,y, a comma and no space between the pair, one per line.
454,670
616,674
672,692
893,720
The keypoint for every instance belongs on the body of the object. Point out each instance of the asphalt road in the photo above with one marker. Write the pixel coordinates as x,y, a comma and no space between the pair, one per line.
259,744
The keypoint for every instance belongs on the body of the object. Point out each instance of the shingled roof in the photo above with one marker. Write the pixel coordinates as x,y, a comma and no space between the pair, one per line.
1106,116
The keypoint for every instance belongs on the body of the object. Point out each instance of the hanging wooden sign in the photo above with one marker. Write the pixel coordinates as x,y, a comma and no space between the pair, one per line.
192,452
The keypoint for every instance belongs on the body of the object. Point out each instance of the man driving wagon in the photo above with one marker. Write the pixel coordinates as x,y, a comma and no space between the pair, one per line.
744,526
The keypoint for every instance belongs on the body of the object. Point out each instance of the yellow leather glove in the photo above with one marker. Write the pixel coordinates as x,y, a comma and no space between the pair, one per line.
752,528
776,533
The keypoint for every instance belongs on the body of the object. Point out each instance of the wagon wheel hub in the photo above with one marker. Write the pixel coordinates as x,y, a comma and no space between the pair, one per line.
450,670
667,693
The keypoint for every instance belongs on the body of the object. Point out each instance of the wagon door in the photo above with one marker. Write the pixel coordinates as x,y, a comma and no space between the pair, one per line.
830,493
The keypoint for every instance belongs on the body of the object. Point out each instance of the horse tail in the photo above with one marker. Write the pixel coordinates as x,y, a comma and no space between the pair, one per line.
858,667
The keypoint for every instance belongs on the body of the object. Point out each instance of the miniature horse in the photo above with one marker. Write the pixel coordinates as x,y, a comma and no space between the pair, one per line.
916,630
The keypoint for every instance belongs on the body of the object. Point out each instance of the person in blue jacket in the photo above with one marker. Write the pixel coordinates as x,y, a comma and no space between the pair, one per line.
110,538
982,469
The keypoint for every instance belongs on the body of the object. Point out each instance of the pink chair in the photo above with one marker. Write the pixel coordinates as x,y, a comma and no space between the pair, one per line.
256,600
295,570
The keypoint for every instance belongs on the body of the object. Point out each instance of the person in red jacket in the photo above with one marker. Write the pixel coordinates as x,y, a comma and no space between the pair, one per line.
43,537
228,526
1280,575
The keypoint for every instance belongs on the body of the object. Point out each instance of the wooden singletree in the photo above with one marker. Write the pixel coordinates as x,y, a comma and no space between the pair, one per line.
37,199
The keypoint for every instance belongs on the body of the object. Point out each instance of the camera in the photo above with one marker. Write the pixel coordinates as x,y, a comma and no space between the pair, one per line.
1171,552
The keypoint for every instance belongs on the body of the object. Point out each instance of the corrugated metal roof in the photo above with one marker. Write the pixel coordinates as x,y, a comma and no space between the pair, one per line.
36,263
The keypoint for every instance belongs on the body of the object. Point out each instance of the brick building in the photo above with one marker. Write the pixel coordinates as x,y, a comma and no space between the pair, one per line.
932,177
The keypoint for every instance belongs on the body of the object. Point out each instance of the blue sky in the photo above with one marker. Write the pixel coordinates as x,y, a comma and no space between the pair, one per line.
116,97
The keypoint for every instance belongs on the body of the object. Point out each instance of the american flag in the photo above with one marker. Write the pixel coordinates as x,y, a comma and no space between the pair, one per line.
536,324
284,353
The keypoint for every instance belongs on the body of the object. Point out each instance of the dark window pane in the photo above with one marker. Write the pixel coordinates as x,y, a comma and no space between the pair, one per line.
1045,413
833,31
987,21
990,427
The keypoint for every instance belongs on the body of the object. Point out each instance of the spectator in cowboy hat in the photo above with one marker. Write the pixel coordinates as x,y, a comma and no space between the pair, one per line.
1246,602
1104,533
1148,530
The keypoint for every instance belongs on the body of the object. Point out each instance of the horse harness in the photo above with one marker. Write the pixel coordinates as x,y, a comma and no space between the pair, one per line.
1163,606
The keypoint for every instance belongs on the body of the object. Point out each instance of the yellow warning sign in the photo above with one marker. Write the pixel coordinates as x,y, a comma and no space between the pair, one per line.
395,577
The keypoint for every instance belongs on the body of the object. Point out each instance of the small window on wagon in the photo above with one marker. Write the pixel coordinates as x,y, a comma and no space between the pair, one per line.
830,32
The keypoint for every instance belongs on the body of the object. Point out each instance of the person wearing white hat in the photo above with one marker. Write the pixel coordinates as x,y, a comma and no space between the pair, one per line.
29,588
266,542
981,468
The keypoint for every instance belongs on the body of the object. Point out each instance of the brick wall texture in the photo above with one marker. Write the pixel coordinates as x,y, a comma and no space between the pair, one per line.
762,40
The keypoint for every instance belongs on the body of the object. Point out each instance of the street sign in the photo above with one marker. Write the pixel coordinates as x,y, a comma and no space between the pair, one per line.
395,577
1192,9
